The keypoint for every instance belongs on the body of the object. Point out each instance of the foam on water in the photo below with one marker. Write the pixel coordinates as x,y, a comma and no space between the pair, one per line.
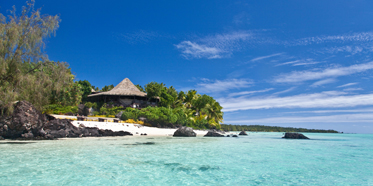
258,159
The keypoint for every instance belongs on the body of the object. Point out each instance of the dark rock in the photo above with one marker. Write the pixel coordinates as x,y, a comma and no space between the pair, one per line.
1,138
185,132
24,119
228,136
82,110
91,131
28,123
235,136
28,135
213,133
119,115
242,133
290,135
112,133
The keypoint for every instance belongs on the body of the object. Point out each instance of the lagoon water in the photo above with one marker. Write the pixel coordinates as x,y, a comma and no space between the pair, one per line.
258,159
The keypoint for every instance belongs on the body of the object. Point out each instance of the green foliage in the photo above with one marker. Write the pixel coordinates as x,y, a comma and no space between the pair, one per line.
95,88
262,128
179,108
86,89
59,109
91,105
130,113
25,71
104,110
140,88
154,89
107,88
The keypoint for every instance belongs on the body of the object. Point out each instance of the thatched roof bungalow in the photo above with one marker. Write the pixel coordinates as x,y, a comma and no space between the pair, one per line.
125,94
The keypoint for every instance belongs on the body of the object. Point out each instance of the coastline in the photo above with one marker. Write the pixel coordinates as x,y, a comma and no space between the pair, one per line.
135,129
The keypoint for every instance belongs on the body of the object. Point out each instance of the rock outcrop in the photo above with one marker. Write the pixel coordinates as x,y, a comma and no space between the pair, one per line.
290,135
242,133
213,133
184,132
112,133
24,119
28,123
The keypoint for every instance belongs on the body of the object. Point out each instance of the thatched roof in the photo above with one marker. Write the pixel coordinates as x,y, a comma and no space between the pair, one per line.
124,88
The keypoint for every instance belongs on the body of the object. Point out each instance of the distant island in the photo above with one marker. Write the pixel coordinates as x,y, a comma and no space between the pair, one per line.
262,128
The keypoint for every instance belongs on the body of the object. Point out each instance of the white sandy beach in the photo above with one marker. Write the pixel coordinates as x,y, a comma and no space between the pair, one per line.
135,129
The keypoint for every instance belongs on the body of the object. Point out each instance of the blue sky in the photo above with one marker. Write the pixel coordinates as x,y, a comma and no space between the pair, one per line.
281,63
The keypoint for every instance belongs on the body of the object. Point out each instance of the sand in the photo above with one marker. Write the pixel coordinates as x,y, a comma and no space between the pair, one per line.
135,129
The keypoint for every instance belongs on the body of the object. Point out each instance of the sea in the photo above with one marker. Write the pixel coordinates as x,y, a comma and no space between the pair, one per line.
257,159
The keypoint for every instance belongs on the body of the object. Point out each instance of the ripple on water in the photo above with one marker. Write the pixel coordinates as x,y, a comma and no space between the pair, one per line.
260,159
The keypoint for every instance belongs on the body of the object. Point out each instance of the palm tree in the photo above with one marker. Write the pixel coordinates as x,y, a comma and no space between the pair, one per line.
191,95
213,112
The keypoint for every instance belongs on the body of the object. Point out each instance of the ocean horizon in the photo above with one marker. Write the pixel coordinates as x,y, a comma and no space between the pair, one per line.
261,158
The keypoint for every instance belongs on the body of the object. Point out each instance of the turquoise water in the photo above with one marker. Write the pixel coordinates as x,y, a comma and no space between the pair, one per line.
258,159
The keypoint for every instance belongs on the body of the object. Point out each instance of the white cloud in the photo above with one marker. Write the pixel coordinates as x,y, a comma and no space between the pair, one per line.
223,85
346,85
329,99
249,92
300,76
335,111
299,62
352,89
323,82
193,50
212,47
265,57
342,118
355,37
350,49
284,91
140,36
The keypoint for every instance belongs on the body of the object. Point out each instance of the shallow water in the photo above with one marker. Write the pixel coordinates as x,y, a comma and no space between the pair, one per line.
258,159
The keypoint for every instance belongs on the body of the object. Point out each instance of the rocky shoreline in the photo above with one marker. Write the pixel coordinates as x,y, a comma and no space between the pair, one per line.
27,123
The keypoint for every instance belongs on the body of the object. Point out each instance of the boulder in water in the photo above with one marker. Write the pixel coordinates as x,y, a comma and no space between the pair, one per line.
290,135
213,133
242,133
184,132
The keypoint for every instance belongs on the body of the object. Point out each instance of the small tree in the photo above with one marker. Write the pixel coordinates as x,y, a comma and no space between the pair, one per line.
25,72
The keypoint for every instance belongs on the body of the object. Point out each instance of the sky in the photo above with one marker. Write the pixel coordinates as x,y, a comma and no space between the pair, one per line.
280,63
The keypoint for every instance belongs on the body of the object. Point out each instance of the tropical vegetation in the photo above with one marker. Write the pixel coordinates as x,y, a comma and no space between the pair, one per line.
26,73
262,128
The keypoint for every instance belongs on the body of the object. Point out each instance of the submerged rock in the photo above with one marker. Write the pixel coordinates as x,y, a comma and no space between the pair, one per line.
213,133
185,132
290,135
242,133
235,136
